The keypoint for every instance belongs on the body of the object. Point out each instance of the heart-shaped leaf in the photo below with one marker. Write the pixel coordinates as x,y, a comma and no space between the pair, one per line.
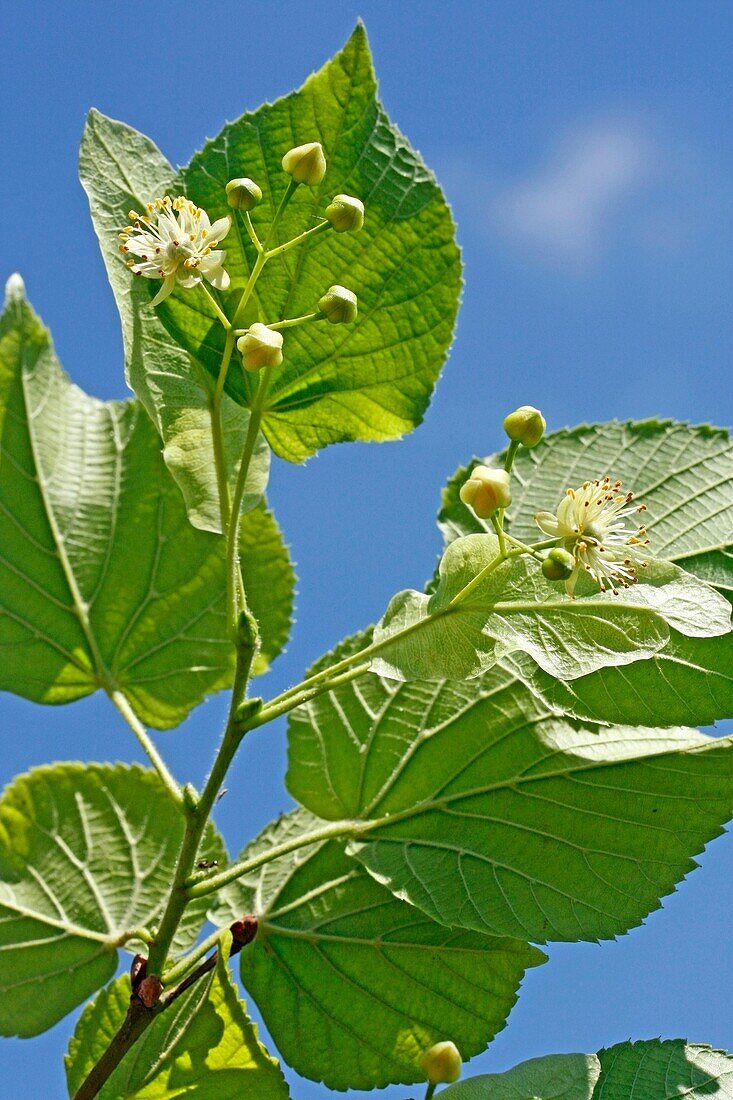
353,984
87,855
103,582
489,812
369,380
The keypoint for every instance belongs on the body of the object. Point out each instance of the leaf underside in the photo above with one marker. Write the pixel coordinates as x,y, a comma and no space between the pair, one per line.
353,984
122,169
103,582
87,854
493,813
683,474
516,608
203,1046
647,1070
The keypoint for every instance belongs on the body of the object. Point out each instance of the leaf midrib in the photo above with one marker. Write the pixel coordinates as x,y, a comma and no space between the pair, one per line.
437,802
54,922
377,942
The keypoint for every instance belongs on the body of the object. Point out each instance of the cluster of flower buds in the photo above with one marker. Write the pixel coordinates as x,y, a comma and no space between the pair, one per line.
307,164
488,490
176,242
589,527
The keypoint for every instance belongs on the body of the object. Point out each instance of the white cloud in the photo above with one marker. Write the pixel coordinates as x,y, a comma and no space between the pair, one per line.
566,209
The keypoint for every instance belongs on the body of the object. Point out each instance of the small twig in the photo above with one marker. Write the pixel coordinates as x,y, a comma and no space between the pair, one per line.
134,1024
243,932
146,1004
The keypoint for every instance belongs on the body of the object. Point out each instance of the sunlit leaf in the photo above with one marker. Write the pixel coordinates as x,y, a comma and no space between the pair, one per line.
489,812
372,379
87,854
353,984
203,1045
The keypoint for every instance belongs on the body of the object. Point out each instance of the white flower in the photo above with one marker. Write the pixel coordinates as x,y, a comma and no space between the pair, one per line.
176,242
591,523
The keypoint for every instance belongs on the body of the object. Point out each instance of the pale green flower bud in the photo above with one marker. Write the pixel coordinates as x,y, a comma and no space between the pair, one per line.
260,347
486,491
442,1063
339,305
306,163
346,214
243,194
558,564
525,425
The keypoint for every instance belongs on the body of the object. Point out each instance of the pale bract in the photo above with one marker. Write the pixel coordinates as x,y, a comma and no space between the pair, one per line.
176,241
591,521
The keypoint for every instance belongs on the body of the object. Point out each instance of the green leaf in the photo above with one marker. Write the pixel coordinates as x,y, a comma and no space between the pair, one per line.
554,1077
689,682
514,607
665,1071
121,168
204,1045
353,984
371,380
682,473
87,855
649,1070
489,812
103,582
716,568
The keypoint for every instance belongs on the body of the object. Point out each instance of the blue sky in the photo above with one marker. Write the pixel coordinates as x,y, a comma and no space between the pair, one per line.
587,152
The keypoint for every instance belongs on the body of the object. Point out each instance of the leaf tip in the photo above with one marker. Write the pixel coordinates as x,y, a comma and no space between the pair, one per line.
14,289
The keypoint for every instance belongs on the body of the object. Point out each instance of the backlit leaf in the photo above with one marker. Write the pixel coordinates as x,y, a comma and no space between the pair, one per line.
353,984
87,855
203,1045
372,379
489,812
